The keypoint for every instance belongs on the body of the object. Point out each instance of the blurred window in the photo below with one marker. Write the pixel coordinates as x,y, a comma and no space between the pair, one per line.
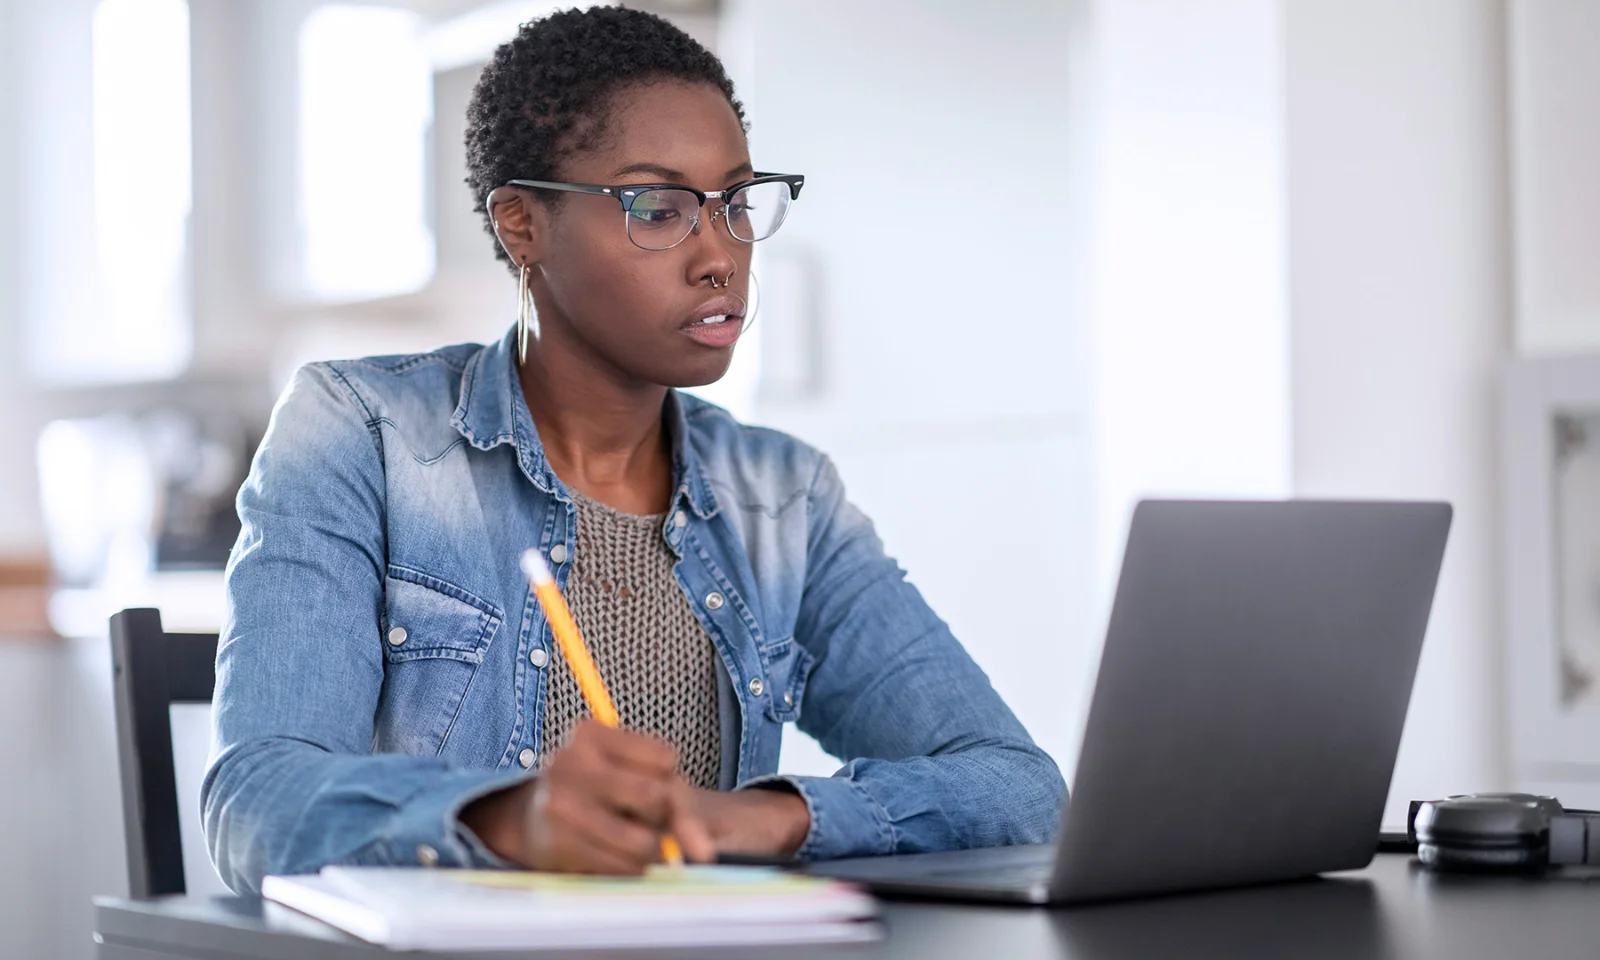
366,105
136,321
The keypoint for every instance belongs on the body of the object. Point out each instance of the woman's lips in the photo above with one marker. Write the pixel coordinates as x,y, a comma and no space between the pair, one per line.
721,334
726,321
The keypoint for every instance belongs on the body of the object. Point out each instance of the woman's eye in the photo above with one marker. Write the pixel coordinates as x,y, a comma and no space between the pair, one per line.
654,215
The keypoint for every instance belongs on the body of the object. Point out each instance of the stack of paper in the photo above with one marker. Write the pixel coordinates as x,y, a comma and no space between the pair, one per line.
414,909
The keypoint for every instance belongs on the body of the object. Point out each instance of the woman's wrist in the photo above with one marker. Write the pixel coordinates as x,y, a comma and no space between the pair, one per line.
798,821
498,821
776,820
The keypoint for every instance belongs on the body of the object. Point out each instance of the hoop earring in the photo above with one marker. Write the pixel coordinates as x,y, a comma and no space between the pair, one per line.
755,303
524,311
745,311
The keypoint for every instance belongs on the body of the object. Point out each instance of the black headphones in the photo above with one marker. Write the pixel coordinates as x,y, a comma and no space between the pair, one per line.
1519,832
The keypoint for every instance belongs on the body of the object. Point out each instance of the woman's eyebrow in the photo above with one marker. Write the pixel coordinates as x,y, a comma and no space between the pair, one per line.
666,173
677,176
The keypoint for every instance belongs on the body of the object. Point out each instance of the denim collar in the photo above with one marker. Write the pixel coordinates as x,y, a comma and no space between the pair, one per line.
492,410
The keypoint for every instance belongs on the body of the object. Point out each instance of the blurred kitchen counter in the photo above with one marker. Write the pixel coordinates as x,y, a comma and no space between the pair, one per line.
25,600
189,601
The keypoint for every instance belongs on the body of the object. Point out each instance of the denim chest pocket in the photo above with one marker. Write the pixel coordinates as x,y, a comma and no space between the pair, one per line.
434,638
786,665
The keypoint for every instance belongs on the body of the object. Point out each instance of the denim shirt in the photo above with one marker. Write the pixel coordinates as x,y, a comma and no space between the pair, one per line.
383,661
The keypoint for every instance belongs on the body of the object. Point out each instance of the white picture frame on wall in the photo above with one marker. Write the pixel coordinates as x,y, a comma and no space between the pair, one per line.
1551,486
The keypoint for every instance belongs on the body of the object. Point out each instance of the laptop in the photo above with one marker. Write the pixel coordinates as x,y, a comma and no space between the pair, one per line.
1258,663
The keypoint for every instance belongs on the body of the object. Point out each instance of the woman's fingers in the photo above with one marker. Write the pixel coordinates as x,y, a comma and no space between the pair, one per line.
647,799
604,802
692,833
664,803
646,754
599,838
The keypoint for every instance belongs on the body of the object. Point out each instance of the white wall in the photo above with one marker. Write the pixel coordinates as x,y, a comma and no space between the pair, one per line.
17,523
1399,296
933,233
1186,257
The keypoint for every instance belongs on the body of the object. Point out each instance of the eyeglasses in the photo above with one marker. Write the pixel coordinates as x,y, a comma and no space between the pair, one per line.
659,216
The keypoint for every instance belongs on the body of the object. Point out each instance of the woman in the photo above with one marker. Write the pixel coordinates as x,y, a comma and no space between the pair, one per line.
387,688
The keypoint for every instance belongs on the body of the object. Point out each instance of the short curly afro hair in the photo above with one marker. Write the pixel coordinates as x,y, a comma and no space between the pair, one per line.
547,94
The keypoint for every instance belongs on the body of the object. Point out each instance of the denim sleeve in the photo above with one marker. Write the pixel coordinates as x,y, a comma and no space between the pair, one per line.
942,762
293,784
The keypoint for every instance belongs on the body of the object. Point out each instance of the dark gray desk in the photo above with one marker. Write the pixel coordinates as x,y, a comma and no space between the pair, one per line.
1390,910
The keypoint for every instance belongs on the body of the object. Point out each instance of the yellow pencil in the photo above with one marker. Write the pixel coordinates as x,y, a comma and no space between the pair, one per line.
577,655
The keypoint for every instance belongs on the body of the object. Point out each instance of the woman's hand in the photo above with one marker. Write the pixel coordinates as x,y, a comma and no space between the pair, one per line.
760,821
601,805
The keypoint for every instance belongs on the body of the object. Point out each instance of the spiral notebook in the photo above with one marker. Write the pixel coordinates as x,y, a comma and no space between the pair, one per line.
416,909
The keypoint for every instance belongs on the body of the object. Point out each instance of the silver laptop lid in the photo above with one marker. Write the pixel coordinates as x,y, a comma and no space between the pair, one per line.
1257,667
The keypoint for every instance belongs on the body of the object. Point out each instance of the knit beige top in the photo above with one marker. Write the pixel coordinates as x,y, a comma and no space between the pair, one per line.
655,656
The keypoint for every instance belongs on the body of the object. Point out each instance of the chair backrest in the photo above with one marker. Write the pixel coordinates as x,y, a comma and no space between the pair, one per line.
152,670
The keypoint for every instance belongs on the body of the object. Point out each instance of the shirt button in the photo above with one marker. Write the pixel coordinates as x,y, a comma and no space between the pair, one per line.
558,553
713,601
427,856
397,636
526,757
788,699
679,520
538,658
756,686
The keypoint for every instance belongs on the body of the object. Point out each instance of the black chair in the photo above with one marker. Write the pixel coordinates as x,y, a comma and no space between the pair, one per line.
152,670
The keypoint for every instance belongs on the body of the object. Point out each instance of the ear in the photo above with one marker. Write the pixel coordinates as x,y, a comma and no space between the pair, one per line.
521,224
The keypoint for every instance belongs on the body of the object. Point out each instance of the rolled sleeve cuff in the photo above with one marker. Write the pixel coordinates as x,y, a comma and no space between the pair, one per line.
845,819
427,830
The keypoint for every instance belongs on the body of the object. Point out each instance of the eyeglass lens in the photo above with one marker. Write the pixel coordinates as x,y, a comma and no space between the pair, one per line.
659,219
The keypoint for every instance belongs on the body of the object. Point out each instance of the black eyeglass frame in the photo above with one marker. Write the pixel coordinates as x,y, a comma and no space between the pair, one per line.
627,193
